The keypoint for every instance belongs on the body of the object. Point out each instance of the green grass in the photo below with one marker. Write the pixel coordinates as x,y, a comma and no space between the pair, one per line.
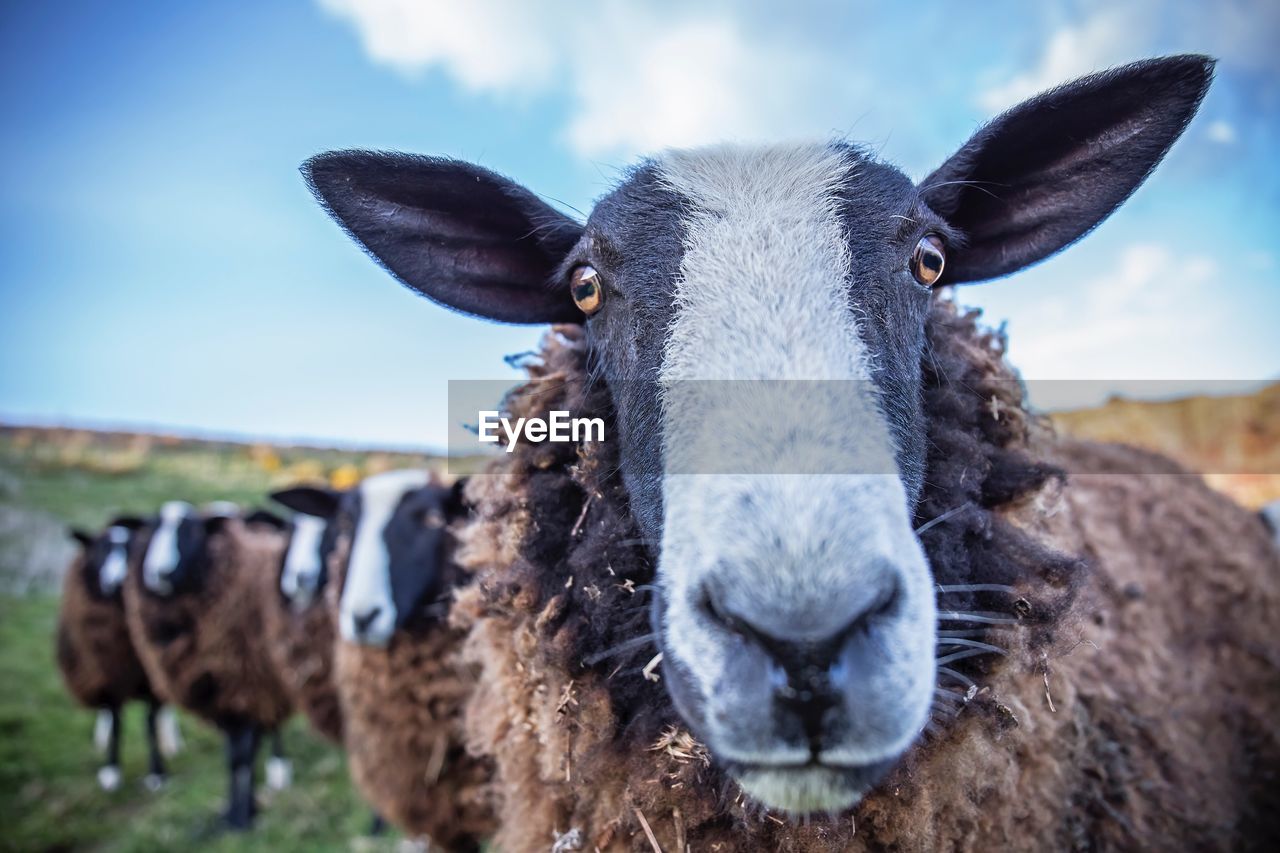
49,796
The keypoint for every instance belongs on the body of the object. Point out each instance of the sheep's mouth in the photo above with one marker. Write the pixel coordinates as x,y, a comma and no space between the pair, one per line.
811,786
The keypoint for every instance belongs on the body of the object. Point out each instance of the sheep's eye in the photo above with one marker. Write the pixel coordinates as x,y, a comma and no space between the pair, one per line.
588,293
928,260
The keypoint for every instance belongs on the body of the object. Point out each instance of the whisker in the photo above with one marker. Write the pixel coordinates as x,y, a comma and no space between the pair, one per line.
955,656
973,644
958,676
933,522
621,648
975,632
975,587
983,618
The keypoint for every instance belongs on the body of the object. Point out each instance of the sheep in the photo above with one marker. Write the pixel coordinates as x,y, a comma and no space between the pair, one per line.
399,681
97,661
297,626
193,614
887,608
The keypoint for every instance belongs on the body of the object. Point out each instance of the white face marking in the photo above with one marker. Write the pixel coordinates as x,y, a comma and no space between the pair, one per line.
368,584
764,293
301,574
161,559
115,566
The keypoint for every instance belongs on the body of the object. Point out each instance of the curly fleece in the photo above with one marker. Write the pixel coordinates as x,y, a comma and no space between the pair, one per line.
402,715
1127,712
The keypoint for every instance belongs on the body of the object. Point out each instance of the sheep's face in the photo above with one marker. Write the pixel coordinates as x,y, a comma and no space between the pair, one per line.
304,569
765,368
392,529
176,553
758,315
107,556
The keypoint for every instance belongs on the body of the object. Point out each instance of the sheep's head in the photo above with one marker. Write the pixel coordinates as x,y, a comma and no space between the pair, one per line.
304,570
758,315
392,537
106,555
175,546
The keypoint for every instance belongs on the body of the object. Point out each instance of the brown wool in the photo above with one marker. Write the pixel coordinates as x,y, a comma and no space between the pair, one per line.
402,716
301,648
205,650
1136,706
93,649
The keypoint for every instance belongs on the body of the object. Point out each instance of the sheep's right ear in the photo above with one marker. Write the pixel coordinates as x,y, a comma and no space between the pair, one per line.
1042,175
310,500
456,233
84,538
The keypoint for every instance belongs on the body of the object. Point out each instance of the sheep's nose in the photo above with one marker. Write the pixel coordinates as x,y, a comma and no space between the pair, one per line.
808,665
362,621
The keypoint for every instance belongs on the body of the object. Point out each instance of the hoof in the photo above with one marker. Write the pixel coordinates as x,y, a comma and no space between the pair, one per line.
109,777
279,773
155,781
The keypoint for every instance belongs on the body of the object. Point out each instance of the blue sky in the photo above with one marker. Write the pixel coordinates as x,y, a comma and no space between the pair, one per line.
163,264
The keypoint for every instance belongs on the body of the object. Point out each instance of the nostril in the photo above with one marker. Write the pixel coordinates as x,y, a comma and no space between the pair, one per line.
364,620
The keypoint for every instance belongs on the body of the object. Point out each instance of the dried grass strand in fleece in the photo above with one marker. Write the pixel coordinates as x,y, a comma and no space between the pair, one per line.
1066,741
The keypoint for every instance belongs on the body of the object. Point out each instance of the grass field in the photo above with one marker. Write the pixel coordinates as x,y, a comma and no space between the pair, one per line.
49,797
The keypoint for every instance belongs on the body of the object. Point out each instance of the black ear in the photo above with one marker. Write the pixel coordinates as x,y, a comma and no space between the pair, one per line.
263,516
215,523
310,500
85,539
1042,175
130,522
456,504
456,233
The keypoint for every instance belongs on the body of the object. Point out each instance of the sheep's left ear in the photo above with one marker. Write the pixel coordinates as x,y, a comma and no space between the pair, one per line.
458,234
266,517
82,536
1043,174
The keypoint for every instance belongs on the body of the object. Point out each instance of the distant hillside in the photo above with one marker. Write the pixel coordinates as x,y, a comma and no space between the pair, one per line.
1234,441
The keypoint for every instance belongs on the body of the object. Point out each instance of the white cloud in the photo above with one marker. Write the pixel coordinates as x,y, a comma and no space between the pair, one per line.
639,76
492,45
1072,51
1146,315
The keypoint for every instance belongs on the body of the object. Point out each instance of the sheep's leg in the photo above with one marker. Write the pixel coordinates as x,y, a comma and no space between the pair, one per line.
279,769
156,774
377,824
109,773
242,750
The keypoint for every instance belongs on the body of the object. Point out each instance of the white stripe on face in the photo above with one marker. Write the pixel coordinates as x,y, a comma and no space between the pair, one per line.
366,596
783,495
114,567
302,567
162,556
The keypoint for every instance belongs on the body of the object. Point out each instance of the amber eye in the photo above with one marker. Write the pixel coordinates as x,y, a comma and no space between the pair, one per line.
588,293
928,260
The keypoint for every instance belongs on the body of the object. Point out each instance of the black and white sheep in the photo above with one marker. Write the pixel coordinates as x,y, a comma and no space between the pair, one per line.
299,630
835,533
96,657
191,598
396,667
